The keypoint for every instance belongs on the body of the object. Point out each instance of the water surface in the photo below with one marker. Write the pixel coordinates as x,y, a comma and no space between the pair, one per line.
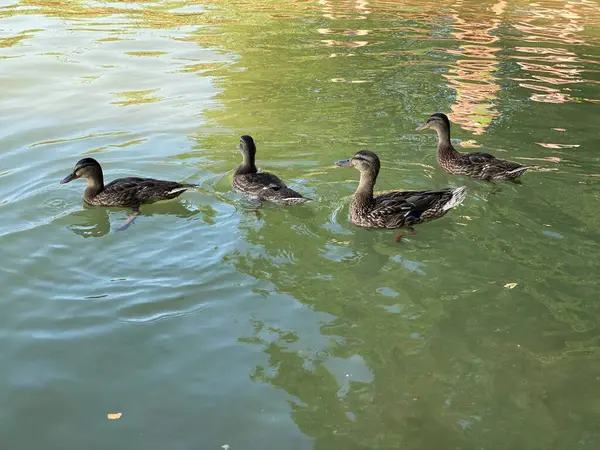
211,322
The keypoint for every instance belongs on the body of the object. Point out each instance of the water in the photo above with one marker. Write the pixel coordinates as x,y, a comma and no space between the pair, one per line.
211,322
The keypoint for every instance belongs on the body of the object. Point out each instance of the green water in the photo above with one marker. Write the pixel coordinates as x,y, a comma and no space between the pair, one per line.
212,322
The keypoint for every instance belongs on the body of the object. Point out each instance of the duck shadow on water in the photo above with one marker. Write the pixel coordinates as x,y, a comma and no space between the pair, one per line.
94,221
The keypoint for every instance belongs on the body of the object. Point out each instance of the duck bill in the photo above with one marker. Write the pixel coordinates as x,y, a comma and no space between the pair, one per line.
68,178
423,126
343,163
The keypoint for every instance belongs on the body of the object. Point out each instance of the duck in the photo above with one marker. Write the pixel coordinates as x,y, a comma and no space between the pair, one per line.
395,209
130,192
477,165
263,186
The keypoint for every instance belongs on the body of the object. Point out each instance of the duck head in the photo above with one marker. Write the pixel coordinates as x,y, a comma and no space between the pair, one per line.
364,161
248,151
437,121
85,168
247,146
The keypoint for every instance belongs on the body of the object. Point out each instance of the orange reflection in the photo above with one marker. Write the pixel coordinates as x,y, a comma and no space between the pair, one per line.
331,11
343,9
346,32
332,43
473,78
554,66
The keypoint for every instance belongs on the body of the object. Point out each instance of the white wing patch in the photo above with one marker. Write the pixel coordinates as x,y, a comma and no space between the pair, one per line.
179,189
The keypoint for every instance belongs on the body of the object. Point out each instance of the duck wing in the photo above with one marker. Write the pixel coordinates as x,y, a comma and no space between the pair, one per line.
480,158
254,183
133,191
489,167
400,209
266,186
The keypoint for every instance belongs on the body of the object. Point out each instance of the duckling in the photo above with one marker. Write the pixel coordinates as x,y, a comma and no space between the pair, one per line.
481,166
129,192
263,185
395,209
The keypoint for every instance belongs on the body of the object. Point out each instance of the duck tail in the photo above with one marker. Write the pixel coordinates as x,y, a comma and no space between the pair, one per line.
295,200
181,188
458,196
520,170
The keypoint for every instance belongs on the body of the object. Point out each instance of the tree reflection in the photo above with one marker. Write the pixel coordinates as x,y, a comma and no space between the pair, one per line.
443,367
380,398
447,368
449,358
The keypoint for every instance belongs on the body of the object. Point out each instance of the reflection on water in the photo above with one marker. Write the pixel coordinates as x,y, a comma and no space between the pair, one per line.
91,222
213,321
557,66
477,30
345,9
94,221
473,78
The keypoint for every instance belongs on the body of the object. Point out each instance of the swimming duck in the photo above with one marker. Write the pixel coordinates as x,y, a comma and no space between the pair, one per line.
481,166
129,192
395,209
263,185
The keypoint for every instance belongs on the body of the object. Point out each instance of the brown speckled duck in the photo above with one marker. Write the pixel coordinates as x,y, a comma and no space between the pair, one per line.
395,209
129,192
481,166
261,185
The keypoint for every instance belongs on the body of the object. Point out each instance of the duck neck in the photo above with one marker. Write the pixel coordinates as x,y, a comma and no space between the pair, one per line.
445,147
247,166
364,193
95,184
443,133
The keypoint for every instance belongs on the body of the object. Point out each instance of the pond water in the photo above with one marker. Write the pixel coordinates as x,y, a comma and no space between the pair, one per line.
211,322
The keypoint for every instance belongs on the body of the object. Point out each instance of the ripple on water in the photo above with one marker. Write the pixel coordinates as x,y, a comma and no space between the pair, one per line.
292,322
335,224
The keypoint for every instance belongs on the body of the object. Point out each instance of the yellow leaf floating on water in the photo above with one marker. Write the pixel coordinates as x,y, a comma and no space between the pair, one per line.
114,416
510,285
